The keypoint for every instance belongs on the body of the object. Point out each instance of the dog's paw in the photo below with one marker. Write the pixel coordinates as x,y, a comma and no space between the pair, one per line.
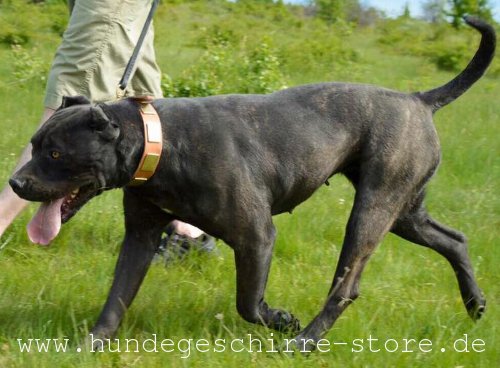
476,308
95,343
284,322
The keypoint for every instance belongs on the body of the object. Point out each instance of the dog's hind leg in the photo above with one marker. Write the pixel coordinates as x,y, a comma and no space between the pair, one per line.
252,254
143,225
418,227
375,208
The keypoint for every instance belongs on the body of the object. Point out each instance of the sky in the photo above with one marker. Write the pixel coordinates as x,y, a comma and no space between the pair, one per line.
393,8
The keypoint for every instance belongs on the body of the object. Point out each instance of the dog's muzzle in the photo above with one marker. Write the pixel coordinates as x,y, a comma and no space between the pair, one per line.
21,185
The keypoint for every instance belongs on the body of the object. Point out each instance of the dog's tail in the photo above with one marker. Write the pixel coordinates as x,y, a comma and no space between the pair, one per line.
441,96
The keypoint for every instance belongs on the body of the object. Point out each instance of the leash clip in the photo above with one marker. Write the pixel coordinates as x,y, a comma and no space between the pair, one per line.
120,92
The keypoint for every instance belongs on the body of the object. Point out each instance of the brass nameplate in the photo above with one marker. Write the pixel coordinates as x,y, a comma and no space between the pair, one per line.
150,162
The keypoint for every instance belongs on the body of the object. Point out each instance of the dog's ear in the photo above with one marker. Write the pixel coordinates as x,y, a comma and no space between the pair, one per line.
103,125
68,101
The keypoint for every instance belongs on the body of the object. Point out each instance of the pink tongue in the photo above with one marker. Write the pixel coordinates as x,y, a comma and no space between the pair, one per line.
46,223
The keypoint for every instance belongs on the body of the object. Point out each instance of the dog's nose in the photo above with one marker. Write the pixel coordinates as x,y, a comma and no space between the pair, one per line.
17,184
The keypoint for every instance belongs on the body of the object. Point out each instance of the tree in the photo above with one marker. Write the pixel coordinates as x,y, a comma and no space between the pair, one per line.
406,11
362,15
334,10
330,10
434,10
459,8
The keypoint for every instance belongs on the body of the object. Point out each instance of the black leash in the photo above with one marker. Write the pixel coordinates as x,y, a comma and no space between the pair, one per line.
122,85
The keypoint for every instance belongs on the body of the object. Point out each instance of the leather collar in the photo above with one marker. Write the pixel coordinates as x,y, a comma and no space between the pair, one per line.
153,141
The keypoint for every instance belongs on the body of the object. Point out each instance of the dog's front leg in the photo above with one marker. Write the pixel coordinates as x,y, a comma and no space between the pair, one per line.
252,254
143,226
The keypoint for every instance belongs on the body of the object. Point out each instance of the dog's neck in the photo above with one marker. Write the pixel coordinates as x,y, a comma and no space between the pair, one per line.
130,146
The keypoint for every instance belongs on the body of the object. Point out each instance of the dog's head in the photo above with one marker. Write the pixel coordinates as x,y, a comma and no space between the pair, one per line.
73,159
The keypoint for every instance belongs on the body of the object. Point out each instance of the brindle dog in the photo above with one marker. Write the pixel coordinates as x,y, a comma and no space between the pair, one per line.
231,162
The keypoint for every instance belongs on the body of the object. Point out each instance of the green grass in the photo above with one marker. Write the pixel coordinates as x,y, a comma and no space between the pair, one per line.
406,292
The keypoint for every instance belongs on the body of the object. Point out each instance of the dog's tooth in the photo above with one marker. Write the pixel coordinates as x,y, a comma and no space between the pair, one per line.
74,193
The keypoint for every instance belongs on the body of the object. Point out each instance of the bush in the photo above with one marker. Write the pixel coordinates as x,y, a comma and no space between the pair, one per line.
227,68
27,66
452,59
22,22
15,22
262,70
324,49
447,48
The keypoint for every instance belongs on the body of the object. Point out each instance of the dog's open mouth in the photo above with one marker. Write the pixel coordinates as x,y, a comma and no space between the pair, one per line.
46,223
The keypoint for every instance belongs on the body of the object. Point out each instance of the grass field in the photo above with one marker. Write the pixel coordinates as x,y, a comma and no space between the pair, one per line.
407,292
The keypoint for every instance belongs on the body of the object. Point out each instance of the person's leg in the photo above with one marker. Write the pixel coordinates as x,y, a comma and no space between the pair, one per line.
184,229
10,204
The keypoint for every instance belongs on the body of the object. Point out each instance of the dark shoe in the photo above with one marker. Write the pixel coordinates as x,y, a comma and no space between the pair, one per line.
174,246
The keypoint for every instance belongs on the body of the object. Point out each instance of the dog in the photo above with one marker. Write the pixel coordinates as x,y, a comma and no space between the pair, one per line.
231,162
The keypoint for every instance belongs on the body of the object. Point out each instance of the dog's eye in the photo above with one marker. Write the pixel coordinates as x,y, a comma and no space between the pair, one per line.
55,155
